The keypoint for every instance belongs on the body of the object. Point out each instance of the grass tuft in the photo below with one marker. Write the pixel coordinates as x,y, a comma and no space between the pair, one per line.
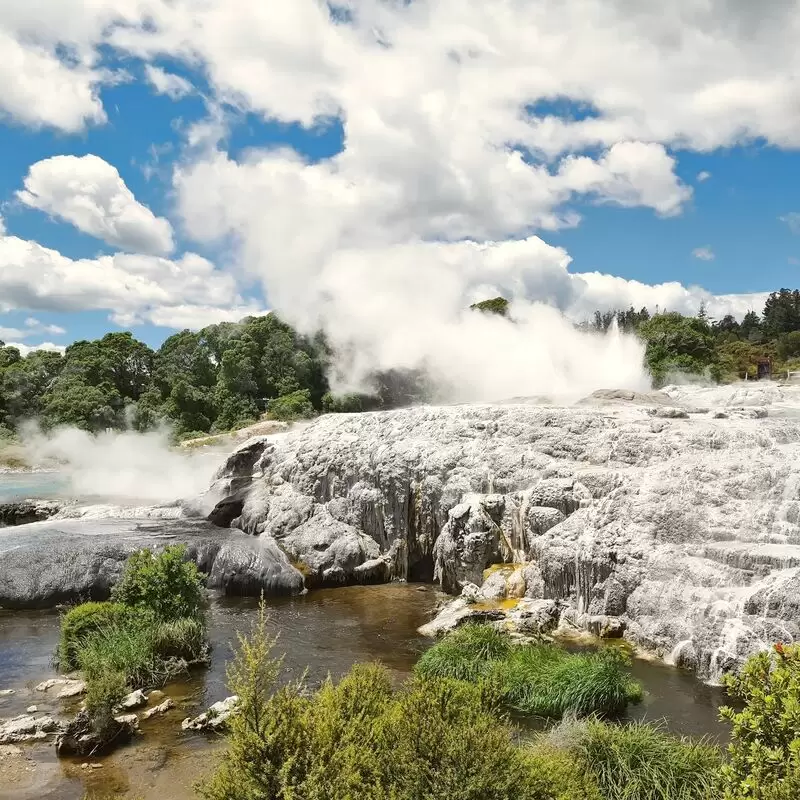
640,761
534,678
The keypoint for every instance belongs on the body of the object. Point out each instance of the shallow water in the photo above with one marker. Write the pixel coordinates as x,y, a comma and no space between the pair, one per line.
325,631
30,485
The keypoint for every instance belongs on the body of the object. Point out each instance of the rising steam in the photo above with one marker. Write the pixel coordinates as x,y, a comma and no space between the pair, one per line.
125,467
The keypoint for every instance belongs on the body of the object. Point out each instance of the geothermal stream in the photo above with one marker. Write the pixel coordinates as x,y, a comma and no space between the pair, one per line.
668,521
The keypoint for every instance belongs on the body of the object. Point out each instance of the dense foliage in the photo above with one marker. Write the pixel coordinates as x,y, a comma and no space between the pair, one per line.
764,754
365,739
720,350
153,631
534,678
167,584
230,374
640,761
216,379
82,621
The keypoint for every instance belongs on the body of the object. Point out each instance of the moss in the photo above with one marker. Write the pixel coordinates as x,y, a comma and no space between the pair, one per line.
508,604
303,568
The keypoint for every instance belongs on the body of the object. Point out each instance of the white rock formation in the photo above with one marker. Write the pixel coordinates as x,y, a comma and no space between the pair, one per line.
679,518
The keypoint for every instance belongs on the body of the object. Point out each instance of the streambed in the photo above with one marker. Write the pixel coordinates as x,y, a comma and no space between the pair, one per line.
324,631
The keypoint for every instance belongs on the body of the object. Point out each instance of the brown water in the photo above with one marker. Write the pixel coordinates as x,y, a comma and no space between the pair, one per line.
325,631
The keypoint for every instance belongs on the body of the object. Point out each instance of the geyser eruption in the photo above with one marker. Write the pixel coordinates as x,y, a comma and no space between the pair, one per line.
407,307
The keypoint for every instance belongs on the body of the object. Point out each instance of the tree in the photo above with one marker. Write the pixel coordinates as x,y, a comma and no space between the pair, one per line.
496,305
677,344
751,326
764,754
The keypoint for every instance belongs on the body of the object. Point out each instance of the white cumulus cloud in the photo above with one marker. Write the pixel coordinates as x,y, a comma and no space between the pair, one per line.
173,86
90,193
134,288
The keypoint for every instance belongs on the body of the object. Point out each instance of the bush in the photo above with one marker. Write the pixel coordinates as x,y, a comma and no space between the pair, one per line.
103,694
534,679
296,405
81,621
764,754
639,761
361,739
166,584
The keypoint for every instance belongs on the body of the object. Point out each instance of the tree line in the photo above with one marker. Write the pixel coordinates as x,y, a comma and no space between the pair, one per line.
216,379
723,350
228,375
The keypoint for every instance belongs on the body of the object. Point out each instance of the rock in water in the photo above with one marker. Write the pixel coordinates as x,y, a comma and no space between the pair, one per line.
161,708
27,728
81,739
215,719
59,561
682,526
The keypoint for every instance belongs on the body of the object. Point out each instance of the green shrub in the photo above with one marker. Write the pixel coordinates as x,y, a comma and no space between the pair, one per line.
535,678
296,405
103,694
640,761
433,738
165,583
764,754
81,621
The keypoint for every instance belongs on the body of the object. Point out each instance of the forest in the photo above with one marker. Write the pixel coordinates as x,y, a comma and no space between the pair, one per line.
228,375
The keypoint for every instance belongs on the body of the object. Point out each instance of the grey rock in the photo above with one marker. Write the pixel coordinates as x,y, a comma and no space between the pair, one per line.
251,565
136,699
65,688
22,512
674,524
215,719
58,561
27,728
79,738
161,708
7,692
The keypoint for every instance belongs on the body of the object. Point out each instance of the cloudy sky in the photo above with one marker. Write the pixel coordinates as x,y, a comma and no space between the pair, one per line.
171,163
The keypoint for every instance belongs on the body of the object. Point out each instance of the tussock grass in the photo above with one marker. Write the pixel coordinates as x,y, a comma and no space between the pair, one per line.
547,681
468,654
146,651
538,679
641,761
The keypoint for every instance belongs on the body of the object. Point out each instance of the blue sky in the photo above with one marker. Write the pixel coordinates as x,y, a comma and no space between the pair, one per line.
282,156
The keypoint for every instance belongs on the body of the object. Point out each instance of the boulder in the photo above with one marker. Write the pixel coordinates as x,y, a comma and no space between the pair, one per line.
27,728
134,700
64,560
23,512
215,719
161,708
80,738
62,688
